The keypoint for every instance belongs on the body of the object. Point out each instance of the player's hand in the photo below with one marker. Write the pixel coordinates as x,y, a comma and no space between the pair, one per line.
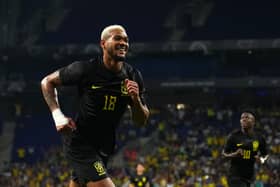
68,127
63,123
238,152
258,159
132,89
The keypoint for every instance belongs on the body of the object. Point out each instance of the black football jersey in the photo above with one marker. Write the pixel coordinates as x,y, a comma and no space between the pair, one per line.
139,180
103,99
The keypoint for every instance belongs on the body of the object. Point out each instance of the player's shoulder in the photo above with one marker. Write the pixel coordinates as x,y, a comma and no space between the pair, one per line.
132,177
235,132
87,64
259,132
82,63
92,61
131,70
129,67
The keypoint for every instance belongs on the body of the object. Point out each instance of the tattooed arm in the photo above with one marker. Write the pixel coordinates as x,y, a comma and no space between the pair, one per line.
48,86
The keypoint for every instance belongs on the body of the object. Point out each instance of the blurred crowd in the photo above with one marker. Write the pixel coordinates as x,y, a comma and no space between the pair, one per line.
183,150
12,84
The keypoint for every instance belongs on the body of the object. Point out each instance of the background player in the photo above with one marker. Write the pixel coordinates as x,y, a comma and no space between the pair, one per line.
140,178
243,148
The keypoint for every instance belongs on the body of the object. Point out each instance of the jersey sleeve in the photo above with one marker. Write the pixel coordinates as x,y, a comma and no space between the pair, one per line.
132,179
73,73
229,146
263,147
137,77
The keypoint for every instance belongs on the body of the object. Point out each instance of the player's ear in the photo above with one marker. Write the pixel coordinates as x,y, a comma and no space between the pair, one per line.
102,44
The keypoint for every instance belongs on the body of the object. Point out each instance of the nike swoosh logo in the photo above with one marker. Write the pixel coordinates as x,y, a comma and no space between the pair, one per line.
239,144
95,87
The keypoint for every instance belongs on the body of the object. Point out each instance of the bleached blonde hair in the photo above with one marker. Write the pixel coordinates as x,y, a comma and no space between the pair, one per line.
107,31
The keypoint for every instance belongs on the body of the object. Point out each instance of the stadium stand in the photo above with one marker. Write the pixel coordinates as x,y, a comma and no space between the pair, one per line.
195,98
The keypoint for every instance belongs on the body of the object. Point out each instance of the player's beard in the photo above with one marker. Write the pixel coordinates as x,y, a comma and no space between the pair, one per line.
114,56
118,58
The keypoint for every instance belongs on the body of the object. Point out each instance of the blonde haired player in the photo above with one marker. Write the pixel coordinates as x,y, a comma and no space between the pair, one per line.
106,86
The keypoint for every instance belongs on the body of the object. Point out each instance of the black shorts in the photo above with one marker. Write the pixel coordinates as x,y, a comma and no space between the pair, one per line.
88,169
87,163
237,182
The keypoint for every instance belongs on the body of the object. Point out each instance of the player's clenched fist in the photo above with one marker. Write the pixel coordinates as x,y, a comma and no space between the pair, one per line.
132,88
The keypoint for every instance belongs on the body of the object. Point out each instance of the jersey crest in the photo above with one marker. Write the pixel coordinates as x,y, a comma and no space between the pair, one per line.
255,145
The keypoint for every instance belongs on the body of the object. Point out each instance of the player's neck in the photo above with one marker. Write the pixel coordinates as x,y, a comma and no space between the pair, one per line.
247,131
112,65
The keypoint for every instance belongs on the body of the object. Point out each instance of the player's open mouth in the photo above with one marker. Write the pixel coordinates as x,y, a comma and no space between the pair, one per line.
122,51
121,47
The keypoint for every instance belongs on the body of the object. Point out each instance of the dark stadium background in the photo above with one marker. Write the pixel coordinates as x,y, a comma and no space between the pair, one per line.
203,61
